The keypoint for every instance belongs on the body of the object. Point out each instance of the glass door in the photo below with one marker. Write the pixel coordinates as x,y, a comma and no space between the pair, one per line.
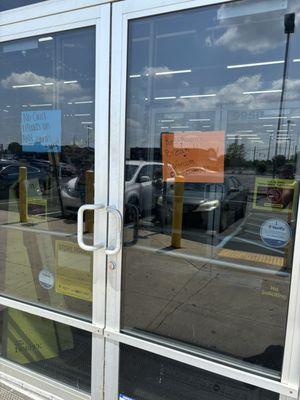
202,303
53,185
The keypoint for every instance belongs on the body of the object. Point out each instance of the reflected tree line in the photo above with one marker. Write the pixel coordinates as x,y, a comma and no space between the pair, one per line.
235,157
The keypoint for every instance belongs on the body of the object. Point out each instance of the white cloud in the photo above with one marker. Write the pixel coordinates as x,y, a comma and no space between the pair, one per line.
229,94
292,88
254,38
44,92
232,95
256,33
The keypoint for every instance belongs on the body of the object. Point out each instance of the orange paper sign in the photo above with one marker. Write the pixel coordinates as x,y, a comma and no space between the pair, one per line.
197,156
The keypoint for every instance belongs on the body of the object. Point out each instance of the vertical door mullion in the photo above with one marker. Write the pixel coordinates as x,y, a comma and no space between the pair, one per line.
101,193
116,191
101,20
291,360
117,148
111,373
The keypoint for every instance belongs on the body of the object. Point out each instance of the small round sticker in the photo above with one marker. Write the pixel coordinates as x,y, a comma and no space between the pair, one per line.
275,233
46,279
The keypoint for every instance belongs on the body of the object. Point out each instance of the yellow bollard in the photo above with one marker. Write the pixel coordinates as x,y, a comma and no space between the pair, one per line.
89,199
23,198
177,212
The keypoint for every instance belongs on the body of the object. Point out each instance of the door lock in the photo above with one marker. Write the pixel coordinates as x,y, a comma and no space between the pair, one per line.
112,265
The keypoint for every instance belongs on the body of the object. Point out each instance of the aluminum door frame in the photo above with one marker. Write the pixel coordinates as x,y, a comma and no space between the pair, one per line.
46,18
288,387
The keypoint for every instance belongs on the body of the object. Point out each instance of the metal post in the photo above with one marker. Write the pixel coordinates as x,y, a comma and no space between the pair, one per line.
23,197
254,153
287,137
269,148
177,212
289,26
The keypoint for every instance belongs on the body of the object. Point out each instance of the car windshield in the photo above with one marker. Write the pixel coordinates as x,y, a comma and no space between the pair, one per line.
195,186
130,170
210,189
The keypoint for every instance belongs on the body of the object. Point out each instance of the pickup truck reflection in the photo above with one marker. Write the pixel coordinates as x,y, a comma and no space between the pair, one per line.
140,190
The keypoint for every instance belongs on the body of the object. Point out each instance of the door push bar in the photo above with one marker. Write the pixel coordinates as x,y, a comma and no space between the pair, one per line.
109,210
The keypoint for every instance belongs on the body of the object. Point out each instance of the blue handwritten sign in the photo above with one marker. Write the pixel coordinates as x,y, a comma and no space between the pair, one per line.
41,131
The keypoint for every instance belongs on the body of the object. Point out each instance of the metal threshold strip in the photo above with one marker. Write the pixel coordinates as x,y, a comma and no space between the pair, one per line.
203,353
251,378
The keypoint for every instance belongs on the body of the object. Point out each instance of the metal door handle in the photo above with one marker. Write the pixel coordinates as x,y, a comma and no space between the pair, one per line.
110,210
80,240
115,250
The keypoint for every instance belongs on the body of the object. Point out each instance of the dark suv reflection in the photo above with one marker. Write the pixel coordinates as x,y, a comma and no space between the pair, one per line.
9,177
229,199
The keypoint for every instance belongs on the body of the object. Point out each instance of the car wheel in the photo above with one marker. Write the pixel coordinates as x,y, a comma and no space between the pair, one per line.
244,208
241,212
132,211
223,220
167,214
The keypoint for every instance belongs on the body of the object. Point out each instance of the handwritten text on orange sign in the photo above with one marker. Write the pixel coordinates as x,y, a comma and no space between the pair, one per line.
197,156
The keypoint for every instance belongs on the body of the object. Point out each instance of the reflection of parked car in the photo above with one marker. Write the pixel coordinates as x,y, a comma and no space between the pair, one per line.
227,200
9,177
66,170
72,195
63,169
142,187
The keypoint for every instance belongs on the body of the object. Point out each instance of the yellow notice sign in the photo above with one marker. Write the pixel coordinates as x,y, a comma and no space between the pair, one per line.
197,156
274,194
29,338
73,270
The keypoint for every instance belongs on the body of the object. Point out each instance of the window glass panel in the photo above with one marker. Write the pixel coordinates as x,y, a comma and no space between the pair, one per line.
56,350
47,136
147,376
9,4
213,106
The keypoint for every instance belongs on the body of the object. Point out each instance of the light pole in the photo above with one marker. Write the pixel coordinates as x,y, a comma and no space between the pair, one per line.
269,148
289,27
287,137
254,153
88,134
